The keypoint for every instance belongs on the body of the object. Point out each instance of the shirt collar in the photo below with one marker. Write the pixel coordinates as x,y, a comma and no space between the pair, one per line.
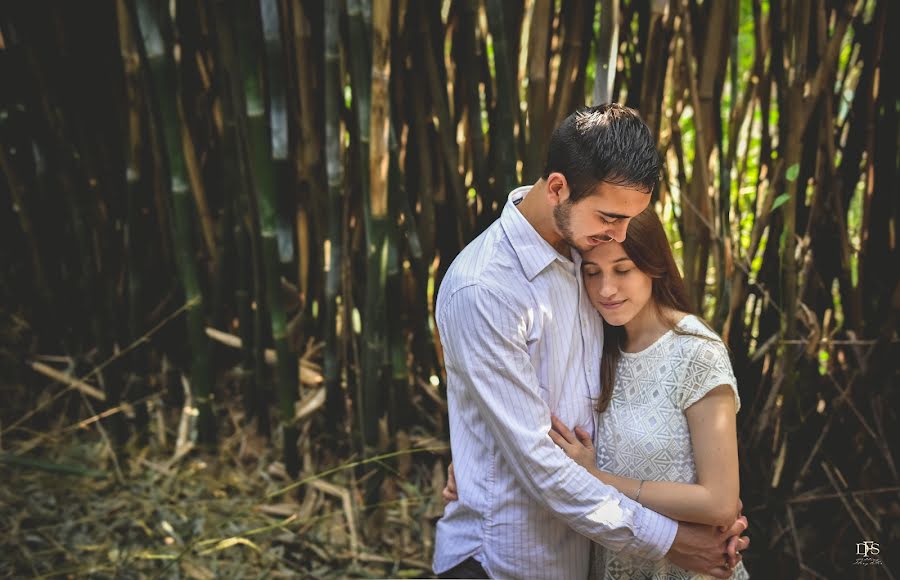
534,252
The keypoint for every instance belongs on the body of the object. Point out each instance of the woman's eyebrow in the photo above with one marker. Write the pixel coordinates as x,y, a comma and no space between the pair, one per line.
616,261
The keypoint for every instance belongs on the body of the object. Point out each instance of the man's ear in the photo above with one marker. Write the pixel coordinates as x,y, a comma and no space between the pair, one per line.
557,188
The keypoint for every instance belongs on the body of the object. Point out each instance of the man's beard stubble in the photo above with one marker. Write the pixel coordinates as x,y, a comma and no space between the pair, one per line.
562,217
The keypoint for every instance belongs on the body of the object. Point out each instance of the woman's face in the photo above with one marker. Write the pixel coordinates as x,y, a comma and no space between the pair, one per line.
616,287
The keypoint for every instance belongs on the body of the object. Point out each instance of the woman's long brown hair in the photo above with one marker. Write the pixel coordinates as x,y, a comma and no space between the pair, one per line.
647,246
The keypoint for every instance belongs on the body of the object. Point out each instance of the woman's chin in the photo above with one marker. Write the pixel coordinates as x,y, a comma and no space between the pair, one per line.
614,318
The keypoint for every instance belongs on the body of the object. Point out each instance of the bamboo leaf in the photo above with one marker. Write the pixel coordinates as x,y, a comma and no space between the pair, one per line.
791,174
780,200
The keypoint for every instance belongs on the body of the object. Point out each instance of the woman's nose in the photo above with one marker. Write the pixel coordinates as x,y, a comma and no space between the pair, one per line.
607,289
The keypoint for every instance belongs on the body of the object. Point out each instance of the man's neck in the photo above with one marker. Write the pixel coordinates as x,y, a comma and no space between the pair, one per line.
536,208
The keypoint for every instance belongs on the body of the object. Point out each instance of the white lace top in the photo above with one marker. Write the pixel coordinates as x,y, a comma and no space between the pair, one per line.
644,432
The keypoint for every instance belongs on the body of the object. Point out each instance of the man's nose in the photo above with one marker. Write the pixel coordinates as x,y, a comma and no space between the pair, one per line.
618,231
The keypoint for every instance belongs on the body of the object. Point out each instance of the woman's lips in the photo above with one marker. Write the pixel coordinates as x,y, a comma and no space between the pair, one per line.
611,305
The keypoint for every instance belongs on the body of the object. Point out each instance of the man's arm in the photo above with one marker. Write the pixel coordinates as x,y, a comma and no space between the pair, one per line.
696,547
484,339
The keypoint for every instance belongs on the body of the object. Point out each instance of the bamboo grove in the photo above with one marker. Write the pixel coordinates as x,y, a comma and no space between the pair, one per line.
257,200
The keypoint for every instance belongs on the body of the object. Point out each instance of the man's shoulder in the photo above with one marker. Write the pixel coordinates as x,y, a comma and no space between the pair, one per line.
488,262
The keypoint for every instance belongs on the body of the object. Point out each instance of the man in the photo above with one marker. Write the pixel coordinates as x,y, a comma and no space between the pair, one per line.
521,340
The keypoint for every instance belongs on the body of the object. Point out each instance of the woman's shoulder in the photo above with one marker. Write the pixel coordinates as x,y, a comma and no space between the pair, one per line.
705,362
695,327
695,339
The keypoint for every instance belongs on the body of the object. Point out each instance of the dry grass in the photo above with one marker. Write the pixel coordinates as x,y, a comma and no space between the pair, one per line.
176,511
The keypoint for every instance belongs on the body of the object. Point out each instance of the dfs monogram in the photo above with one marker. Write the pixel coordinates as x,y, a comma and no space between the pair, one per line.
866,548
866,551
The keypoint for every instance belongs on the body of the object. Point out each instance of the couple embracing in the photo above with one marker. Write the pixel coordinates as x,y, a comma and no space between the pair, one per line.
592,416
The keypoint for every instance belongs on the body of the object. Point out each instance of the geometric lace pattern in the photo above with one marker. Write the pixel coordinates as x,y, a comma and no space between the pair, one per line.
644,434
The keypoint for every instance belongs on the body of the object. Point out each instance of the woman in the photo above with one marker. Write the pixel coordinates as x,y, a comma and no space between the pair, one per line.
666,433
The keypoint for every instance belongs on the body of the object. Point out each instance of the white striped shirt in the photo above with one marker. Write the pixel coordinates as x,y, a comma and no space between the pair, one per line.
521,340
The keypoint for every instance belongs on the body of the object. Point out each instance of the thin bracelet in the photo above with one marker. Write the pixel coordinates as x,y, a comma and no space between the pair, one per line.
638,494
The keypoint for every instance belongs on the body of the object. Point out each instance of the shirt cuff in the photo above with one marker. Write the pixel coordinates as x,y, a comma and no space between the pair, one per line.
655,532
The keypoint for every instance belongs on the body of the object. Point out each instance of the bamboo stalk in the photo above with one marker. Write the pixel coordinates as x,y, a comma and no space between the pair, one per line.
266,144
61,468
198,190
607,51
277,102
538,86
446,134
656,65
309,372
136,383
697,215
151,22
333,245
569,94
307,83
361,68
506,105
17,192
468,34
375,345
67,380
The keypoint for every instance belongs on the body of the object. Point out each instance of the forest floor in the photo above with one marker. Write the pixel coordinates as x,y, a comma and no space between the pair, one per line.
76,508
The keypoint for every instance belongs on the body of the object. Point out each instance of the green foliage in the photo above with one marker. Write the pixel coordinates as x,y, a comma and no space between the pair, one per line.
780,200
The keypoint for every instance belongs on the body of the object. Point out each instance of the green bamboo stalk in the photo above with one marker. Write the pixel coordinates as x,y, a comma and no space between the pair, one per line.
136,382
506,106
262,170
61,468
370,70
361,69
333,246
236,185
151,21
276,89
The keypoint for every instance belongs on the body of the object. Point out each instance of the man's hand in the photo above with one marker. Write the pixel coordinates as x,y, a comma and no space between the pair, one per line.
449,492
708,550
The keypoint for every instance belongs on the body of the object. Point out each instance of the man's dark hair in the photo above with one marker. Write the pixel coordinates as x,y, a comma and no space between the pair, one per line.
608,143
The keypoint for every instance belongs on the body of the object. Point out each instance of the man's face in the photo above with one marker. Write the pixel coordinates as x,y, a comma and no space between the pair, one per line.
601,216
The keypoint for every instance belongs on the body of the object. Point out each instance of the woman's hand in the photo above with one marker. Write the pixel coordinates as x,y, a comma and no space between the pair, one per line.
577,445
449,492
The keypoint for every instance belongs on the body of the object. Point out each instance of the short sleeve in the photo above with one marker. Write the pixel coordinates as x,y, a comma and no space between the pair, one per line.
706,367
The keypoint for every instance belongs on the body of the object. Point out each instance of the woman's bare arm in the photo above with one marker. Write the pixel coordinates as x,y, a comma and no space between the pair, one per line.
713,500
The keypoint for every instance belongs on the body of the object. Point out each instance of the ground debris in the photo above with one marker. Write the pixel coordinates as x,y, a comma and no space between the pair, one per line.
205,516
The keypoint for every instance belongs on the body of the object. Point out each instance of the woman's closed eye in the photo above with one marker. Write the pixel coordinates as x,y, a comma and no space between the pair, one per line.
592,273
